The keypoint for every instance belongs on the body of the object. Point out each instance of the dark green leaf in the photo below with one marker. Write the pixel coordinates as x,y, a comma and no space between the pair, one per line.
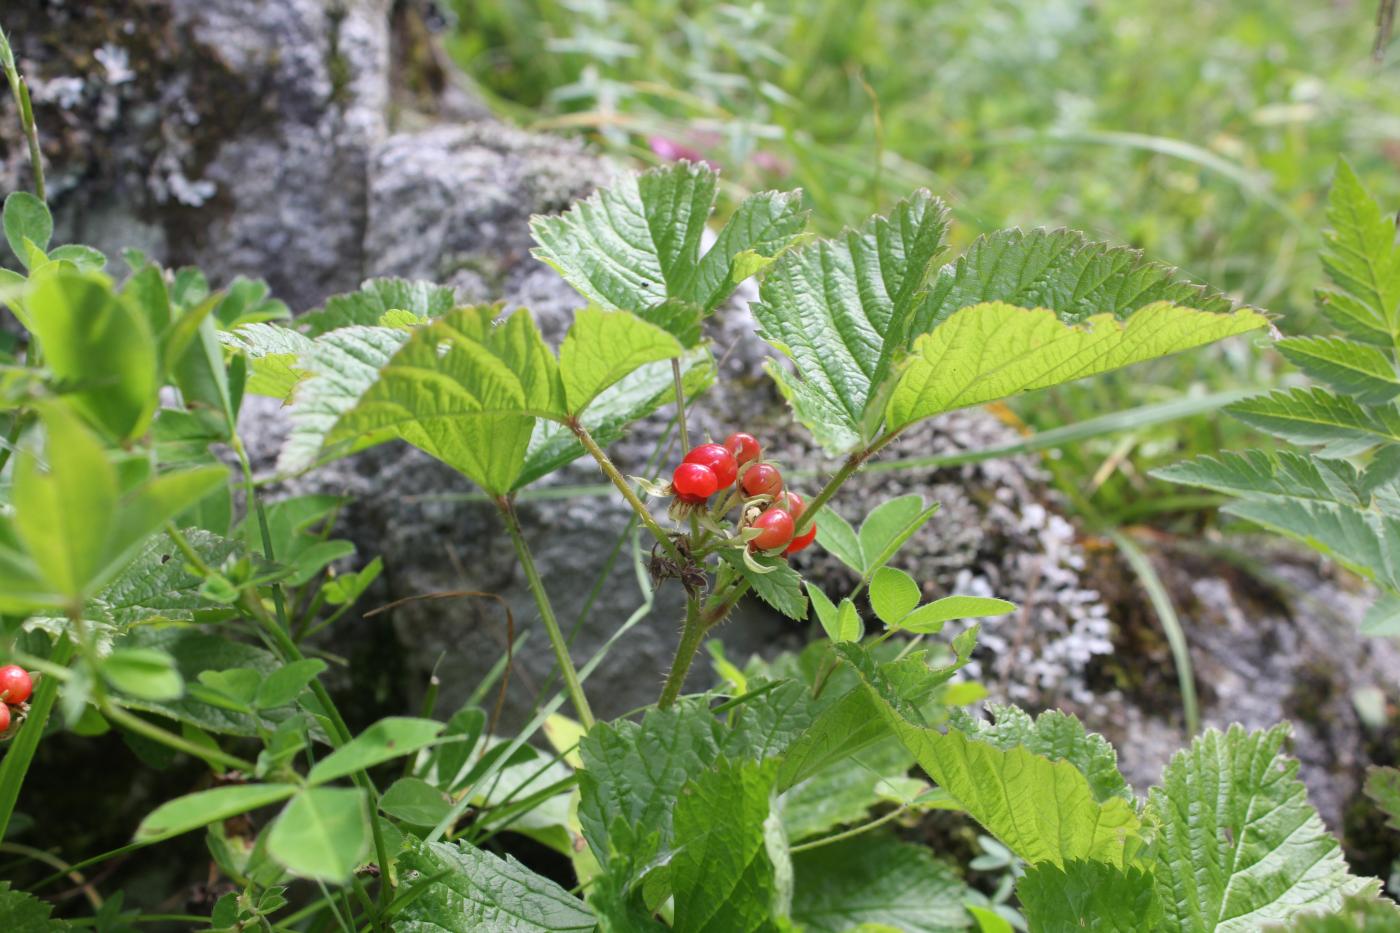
876,879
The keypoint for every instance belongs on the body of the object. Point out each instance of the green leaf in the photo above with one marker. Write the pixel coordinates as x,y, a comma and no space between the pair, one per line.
461,389
470,890
633,774
99,347
893,595
888,526
273,352
930,619
1057,736
285,684
1383,787
1087,895
1063,271
1238,844
196,653
1284,473
1359,540
636,245
721,873
780,587
208,806
841,311
1315,416
992,351
376,298
840,540
826,612
876,879
1361,257
25,912
604,347
323,833
843,793
157,586
1362,372
25,216
85,258
202,378
415,801
389,738
143,672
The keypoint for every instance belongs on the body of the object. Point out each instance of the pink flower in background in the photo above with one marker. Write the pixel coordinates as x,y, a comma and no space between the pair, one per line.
673,151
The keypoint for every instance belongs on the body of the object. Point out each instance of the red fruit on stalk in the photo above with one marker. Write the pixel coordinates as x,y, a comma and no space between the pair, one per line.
762,480
743,446
694,482
4,717
15,684
720,461
803,540
774,529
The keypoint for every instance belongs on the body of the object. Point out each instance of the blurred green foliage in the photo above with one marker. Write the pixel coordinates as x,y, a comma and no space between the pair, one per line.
1202,133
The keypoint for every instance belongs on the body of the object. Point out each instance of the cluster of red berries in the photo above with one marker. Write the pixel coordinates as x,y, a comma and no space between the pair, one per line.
711,468
15,688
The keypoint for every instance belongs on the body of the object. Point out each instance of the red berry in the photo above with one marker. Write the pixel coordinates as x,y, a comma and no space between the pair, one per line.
795,505
743,446
774,529
4,717
717,459
801,541
694,482
15,685
762,480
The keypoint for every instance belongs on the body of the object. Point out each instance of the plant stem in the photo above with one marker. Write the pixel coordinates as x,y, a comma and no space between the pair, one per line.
620,481
551,622
20,89
691,636
848,469
680,403
847,834
21,752
155,733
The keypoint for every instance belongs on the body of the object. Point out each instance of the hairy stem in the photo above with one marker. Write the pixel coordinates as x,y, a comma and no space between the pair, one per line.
698,621
620,481
551,622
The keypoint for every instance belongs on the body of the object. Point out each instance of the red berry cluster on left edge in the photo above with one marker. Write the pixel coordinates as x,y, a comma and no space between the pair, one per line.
767,505
15,687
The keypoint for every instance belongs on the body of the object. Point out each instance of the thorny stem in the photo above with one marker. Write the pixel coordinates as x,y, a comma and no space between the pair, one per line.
698,621
551,622
620,481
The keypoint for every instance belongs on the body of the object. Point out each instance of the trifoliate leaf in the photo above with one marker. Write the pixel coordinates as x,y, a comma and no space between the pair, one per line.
840,310
893,595
468,889
1283,473
1238,844
993,351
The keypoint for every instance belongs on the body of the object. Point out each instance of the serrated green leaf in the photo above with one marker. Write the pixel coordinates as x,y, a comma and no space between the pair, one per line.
1088,895
636,245
375,298
1061,270
470,890
1359,540
603,347
1057,736
26,217
157,585
845,792
780,587
1238,844
893,595
1358,914
1314,416
461,389
876,879
1284,473
24,912
993,351
930,619
1362,372
323,833
841,311
389,738
99,347
633,774
1361,256
721,874
273,352
208,806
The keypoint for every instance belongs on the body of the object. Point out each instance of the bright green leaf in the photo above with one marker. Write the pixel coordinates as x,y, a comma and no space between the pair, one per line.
1362,372
603,347
143,672
25,216
1317,417
780,587
893,595
376,298
1088,895
389,738
323,833
208,806
285,684
888,526
931,618
1362,258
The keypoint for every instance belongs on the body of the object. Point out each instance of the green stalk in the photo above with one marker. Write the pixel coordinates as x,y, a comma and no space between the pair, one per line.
620,481
21,751
551,622
691,636
20,89
179,743
680,403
